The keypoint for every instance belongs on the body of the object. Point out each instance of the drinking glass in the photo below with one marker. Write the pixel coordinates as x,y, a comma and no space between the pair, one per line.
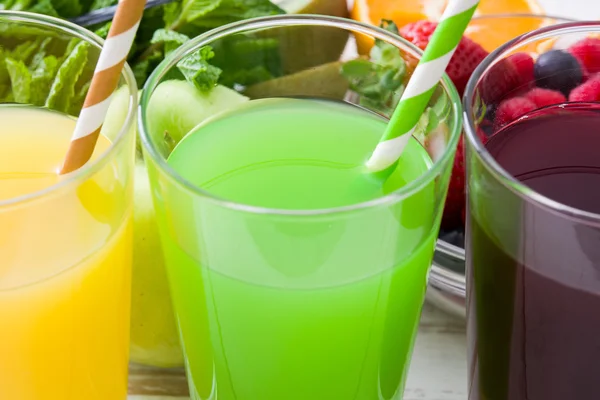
295,303
533,261
65,249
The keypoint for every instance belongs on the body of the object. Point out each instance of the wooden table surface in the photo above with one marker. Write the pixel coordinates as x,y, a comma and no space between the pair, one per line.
438,369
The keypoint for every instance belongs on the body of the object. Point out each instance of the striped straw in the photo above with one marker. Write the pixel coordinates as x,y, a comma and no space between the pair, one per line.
421,86
104,82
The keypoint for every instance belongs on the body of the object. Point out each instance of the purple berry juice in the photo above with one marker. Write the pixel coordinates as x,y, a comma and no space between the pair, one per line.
533,271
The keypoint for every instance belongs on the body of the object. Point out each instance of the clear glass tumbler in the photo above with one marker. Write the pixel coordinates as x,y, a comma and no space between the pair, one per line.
533,225
291,303
65,241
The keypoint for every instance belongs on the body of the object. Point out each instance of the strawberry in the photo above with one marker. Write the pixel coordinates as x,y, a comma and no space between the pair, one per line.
455,200
587,52
587,91
467,57
510,76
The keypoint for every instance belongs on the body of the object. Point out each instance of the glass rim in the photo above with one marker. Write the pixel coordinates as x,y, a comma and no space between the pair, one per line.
493,167
283,21
94,166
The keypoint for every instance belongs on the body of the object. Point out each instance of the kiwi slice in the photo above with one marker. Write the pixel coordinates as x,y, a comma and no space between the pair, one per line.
324,81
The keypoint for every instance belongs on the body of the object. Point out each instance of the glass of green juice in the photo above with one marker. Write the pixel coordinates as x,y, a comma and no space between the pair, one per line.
294,273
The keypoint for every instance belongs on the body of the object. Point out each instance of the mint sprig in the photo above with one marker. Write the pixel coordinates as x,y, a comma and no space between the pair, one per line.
380,80
198,71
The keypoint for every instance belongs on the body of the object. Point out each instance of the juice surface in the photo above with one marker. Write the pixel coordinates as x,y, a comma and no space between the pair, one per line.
273,307
64,275
534,271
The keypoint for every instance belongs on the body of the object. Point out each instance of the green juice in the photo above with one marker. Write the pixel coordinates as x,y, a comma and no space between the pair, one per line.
288,305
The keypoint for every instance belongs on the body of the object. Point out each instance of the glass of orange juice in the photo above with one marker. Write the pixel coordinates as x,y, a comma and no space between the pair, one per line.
65,240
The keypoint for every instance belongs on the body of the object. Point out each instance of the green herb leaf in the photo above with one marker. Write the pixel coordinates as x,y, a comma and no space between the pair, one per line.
235,10
25,50
171,39
20,79
42,78
142,69
103,30
67,8
420,131
62,90
378,81
78,100
196,69
44,7
98,4
194,9
3,71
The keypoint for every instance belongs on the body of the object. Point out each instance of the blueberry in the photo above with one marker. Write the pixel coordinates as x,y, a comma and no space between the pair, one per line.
558,70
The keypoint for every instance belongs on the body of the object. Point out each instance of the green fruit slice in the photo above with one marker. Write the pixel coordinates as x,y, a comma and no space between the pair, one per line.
176,107
154,336
117,113
324,81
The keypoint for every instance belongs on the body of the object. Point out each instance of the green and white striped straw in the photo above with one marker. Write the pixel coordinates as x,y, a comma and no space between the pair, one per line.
421,86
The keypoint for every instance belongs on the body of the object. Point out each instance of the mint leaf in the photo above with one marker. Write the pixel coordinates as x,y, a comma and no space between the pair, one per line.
62,90
98,4
171,13
378,81
44,7
20,79
103,30
171,39
235,10
194,9
247,59
142,69
196,69
67,8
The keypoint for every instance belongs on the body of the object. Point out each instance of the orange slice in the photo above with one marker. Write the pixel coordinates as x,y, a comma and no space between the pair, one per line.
403,12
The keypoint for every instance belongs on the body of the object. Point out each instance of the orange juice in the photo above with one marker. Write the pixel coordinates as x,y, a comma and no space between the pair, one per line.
65,257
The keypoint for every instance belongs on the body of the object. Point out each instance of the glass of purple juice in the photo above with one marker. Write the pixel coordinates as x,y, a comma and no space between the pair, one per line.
532,138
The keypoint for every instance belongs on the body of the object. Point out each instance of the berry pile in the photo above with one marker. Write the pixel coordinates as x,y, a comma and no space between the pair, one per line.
514,86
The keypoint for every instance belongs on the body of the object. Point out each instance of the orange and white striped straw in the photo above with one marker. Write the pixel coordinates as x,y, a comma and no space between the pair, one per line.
104,82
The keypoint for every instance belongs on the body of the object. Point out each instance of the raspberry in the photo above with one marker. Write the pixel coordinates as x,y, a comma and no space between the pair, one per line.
524,64
466,58
455,200
587,52
588,91
511,109
509,77
545,97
